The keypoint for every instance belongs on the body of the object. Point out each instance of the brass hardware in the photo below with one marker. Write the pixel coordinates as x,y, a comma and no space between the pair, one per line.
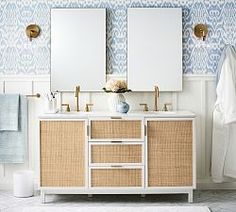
87,107
87,130
67,107
116,166
77,90
165,106
201,31
116,117
145,130
37,95
157,94
116,141
145,106
32,31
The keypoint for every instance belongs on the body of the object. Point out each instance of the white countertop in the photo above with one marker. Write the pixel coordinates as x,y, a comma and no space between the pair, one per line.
148,114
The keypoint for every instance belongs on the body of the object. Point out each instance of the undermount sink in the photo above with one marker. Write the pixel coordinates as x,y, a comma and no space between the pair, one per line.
159,112
148,114
73,113
164,112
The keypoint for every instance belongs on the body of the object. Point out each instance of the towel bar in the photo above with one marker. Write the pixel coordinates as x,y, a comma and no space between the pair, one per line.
37,95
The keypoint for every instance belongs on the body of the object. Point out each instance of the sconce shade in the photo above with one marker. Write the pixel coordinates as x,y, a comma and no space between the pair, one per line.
200,31
32,31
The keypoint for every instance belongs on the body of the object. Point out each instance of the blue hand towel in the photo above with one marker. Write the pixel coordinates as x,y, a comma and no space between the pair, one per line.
9,109
13,144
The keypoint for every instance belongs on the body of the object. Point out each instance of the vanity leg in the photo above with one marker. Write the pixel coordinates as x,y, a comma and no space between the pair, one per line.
143,195
90,196
43,197
190,196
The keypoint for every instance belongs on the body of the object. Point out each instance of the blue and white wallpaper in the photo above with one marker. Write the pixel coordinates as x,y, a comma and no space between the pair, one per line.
20,56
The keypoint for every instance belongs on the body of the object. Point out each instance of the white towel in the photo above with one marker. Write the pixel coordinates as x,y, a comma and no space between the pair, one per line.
9,112
226,88
13,144
224,121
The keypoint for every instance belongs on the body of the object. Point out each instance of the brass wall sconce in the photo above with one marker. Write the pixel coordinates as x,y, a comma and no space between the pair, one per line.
201,31
32,31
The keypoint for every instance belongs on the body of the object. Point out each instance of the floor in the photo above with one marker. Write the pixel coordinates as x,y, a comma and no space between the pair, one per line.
217,201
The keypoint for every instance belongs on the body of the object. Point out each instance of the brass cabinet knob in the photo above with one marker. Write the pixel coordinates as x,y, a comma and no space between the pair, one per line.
145,106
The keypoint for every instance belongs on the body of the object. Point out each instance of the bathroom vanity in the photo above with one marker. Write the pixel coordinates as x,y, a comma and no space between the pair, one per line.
103,153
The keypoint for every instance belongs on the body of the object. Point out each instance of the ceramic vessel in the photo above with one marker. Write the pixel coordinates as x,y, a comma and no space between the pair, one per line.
114,100
50,106
123,107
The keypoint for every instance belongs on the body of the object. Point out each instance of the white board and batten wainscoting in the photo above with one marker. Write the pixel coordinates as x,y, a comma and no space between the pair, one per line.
198,96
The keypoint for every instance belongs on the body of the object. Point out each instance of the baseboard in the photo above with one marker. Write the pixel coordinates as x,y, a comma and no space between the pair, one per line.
8,185
207,184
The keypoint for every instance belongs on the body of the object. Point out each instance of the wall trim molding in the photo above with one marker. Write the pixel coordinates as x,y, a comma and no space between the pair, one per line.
186,77
25,77
207,184
197,77
8,184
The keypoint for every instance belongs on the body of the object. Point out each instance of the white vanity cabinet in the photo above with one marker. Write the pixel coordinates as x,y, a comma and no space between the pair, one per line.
135,153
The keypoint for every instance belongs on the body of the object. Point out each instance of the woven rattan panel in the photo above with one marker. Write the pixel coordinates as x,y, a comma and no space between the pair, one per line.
62,153
116,177
169,153
117,153
116,129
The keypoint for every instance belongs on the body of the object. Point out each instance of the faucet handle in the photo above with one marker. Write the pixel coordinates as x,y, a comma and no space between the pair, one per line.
67,107
87,107
165,106
145,106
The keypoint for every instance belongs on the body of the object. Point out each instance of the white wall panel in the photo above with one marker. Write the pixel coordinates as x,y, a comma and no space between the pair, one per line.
198,96
22,87
1,86
190,99
210,102
2,168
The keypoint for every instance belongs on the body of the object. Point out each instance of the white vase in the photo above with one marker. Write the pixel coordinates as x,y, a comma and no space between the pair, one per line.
50,106
115,99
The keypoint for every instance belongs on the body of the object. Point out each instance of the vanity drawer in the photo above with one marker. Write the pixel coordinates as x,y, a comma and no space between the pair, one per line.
116,129
116,177
116,153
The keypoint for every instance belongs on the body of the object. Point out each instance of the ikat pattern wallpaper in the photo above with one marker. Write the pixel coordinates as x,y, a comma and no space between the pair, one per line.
19,56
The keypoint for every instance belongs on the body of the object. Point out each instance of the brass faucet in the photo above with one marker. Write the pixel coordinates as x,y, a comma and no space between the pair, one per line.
165,108
157,94
67,107
77,90
145,108
88,107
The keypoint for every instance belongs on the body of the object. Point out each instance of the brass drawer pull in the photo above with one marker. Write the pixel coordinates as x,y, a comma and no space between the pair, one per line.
116,117
116,141
116,166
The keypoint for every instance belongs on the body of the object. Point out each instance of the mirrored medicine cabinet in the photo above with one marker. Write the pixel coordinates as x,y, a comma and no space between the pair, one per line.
154,53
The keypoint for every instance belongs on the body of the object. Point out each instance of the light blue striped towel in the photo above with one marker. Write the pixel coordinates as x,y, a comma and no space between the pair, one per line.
9,109
13,144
